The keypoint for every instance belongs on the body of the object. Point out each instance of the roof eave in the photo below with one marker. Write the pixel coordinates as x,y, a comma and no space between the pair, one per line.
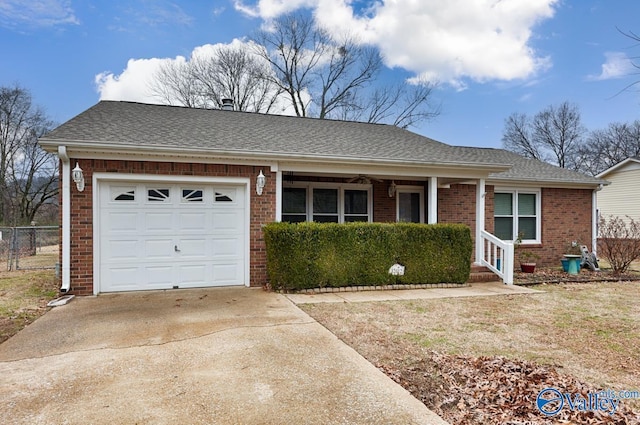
87,148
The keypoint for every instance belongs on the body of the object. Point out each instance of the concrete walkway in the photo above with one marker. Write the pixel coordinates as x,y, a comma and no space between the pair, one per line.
482,289
208,356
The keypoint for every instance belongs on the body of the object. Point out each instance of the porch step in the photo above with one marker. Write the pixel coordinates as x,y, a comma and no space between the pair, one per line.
482,274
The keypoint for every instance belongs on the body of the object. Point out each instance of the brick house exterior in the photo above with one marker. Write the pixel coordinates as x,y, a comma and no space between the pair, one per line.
119,144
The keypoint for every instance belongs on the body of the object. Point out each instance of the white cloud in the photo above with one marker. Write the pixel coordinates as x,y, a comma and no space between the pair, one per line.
268,9
617,65
16,14
133,83
440,41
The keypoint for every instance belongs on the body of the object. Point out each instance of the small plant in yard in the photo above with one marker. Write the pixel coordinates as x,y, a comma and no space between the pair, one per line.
619,242
527,258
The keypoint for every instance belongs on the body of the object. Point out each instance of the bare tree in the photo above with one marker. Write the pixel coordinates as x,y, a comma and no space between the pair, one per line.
553,135
230,72
330,77
28,174
605,148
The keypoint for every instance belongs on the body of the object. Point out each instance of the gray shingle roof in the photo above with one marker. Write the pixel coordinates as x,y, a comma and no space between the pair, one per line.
525,169
125,125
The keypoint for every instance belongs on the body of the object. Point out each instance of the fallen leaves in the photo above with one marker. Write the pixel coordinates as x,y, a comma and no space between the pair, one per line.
497,390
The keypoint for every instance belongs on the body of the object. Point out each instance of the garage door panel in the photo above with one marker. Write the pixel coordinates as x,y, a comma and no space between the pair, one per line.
158,277
193,248
159,249
124,249
226,221
225,247
192,221
121,221
225,274
159,221
166,235
122,278
194,275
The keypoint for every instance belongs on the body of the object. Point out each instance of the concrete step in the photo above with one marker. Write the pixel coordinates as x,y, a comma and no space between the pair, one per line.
482,274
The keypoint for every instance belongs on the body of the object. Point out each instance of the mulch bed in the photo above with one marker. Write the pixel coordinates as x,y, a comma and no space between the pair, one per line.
557,275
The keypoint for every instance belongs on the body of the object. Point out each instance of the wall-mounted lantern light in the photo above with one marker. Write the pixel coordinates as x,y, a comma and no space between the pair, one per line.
392,189
78,177
260,182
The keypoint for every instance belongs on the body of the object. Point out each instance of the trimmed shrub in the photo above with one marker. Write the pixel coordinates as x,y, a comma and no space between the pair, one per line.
316,255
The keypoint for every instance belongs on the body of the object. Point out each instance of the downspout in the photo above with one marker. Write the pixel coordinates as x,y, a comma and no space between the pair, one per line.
66,219
594,220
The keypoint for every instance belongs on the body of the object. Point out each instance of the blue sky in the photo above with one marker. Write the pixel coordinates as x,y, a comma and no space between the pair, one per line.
490,58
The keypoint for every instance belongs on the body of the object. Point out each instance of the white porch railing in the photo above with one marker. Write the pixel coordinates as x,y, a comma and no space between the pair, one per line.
497,256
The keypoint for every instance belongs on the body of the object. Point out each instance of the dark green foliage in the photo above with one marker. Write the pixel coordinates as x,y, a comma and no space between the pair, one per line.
312,255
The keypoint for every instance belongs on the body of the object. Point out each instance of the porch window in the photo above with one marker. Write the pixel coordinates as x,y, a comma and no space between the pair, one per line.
356,205
325,205
294,204
517,212
330,203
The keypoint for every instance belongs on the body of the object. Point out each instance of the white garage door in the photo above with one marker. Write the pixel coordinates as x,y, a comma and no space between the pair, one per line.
173,235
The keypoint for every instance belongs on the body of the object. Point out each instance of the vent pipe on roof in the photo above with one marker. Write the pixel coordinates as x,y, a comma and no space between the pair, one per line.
227,104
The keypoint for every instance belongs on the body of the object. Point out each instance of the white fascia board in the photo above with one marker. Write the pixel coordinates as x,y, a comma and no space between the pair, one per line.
543,183
287,162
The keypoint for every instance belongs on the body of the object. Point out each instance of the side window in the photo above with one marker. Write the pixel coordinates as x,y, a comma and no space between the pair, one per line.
503,216
517,213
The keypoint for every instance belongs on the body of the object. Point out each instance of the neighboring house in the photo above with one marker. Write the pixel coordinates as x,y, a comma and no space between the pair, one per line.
621,197
170,197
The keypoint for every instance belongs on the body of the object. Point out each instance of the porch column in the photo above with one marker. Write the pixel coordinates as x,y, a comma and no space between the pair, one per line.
278,195
480,207
432,201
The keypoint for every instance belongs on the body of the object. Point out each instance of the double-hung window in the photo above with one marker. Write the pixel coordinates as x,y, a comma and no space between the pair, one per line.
326,203
517,212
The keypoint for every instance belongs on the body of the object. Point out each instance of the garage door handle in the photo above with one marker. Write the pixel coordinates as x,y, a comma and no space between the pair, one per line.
175,248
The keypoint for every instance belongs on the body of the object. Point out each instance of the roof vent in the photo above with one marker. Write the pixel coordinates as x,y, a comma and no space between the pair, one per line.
227,104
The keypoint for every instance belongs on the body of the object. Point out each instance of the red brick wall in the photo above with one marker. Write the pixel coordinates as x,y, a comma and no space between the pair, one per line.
567,217
262,211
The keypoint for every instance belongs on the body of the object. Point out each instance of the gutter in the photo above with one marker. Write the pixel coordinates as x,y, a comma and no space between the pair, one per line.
66,219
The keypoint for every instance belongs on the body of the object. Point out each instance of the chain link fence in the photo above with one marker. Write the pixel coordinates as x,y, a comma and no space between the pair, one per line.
30,247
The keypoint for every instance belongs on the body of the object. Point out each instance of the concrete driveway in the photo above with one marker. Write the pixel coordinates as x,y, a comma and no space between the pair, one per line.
214,356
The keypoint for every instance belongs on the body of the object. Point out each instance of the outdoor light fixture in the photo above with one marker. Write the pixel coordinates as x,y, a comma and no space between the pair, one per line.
78,177
392,189
260,182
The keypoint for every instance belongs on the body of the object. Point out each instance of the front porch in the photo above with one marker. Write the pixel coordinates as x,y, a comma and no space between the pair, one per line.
394,197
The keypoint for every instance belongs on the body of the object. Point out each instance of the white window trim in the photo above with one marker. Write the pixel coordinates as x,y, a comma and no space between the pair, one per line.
341,187
515,191
410,189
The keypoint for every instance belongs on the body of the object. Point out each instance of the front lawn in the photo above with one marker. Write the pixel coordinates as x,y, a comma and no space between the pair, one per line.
484,360
24,295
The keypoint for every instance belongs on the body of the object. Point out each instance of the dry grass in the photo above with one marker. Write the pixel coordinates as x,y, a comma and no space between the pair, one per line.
588,330
23,298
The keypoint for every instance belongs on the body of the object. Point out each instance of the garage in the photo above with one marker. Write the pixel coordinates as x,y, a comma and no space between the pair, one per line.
170,235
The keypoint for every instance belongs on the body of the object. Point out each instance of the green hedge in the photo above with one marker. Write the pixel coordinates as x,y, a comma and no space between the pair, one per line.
313,255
